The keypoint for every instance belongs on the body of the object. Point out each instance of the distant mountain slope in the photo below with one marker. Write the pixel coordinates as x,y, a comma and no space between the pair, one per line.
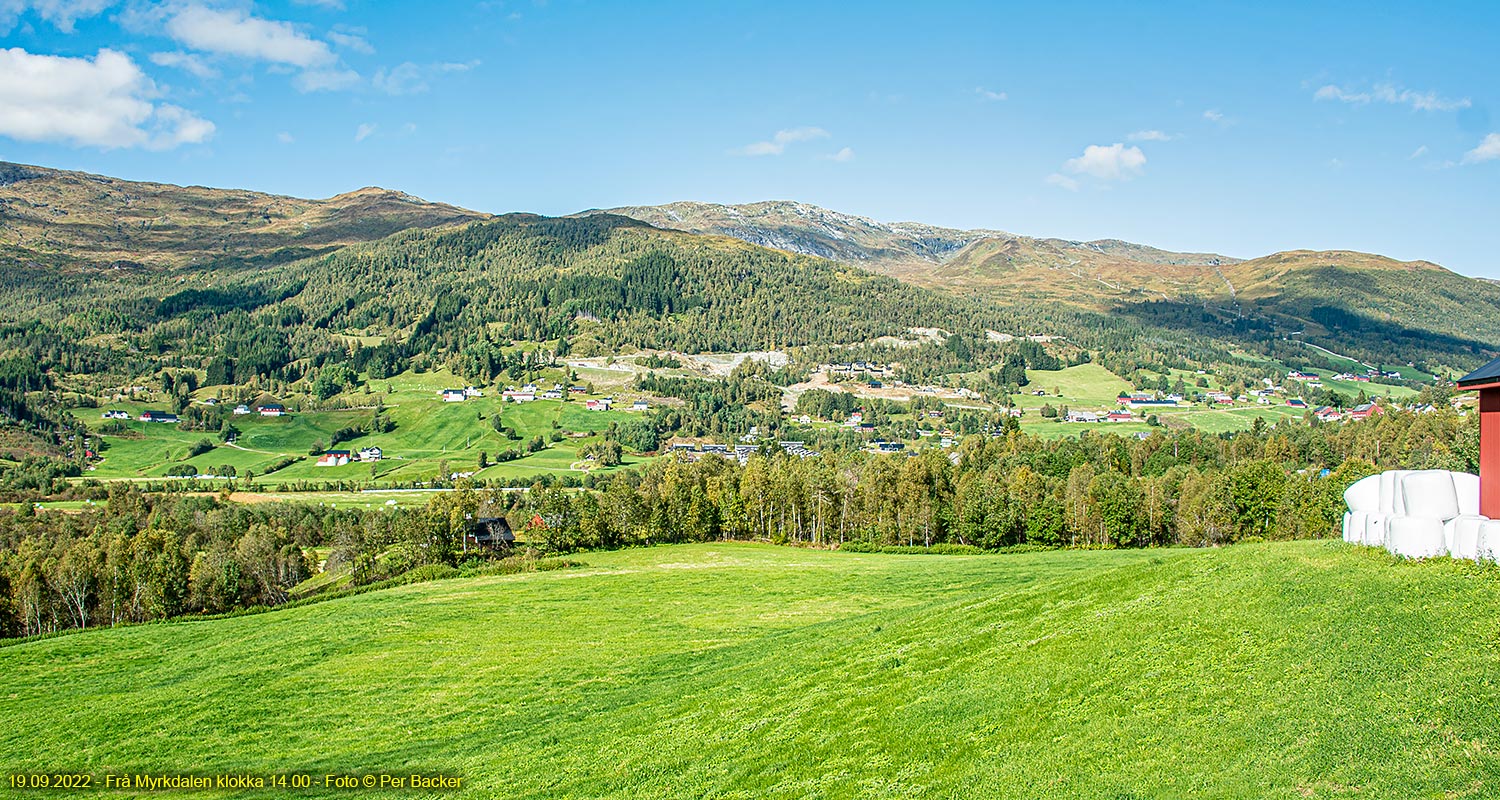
909,250
61,218
1360,300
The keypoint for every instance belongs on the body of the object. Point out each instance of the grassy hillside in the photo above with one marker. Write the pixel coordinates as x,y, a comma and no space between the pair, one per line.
1294,670
74,219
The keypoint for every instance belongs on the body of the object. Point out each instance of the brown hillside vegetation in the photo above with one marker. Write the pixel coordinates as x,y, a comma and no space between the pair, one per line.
64,218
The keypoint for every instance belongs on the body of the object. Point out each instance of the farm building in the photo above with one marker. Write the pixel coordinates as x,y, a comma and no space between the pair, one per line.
241,410
158,416
454,396
599,405
490,532
334,458
1082,416
1296,402
1118,416
1364,411
272,410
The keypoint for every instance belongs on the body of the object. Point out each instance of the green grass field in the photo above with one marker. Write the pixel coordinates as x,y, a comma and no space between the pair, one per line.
1289,670
429,433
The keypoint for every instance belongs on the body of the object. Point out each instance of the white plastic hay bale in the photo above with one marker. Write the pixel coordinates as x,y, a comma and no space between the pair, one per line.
1354,527
1363,498
1461,535
1467,486
1429,494
1415,537
1375,529
1388,492
1488,546
1363,494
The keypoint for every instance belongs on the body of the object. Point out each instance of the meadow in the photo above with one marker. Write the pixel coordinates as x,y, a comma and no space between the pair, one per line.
429,435
1281,670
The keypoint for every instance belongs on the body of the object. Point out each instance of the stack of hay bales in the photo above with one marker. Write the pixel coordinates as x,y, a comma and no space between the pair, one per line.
1421,514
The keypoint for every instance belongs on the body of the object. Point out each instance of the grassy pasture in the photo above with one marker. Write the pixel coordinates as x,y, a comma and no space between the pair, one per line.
1287,670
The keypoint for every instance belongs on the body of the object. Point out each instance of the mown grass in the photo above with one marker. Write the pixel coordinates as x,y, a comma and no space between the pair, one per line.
1309,669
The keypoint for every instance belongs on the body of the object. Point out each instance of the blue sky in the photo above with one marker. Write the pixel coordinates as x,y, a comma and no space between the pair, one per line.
1240,128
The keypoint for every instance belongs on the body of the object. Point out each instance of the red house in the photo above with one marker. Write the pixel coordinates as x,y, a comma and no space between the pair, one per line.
1486,380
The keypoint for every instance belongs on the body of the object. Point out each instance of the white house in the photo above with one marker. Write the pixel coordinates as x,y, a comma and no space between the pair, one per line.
370,454
640,405
241,410
454,396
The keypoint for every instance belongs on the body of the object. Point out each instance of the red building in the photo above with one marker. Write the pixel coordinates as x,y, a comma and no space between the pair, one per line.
1486,380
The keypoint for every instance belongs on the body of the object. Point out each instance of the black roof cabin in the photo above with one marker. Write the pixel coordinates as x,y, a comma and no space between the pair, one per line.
490,532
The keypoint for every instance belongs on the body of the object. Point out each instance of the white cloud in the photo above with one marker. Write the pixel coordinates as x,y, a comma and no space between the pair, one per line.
1488,150
1393,94
1057,179
363,131
777,144
187,62
1150,136
104,101
325,80
234,32
412,78
1418,153
351,41
989,95
285,138
1114,162
61,13
334,5
1213,115
843,156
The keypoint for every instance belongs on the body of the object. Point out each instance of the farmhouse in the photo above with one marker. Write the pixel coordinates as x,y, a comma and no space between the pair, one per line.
601,404
370,454
640,405
272,410
470,391
1118,416
577,390
1082,416
334,458
115,415
1364,411
1296,402
1302,376
241,410
454,396
519,396
490,532
158,416
552,394
1328,414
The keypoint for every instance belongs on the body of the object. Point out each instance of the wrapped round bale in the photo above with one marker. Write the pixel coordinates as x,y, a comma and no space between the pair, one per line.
1363,498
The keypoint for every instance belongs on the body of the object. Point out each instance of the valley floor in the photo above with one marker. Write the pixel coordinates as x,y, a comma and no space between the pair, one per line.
1305,669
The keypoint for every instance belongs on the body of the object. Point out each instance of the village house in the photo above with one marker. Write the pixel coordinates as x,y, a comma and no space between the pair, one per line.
1328,414
334,458
489,533
272,410
158,416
